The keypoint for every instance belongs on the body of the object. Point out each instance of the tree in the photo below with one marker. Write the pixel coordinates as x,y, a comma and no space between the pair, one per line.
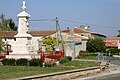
118,34
96,45
6,24
2,44
50,42
12,24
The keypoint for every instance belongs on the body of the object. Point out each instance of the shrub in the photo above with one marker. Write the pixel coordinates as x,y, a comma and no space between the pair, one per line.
63,60
22,62
69,58
114,50
8,62
35,62
48,65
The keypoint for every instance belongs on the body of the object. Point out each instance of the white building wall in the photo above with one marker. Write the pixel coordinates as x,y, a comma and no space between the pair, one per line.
35,42
118,45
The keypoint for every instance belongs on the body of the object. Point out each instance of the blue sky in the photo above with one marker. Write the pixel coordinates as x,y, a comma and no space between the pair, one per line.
103,16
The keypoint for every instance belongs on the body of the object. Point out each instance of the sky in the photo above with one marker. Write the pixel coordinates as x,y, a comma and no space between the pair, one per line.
103,16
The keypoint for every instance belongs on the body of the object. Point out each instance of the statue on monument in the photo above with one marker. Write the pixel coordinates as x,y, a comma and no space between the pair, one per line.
23,6
25,20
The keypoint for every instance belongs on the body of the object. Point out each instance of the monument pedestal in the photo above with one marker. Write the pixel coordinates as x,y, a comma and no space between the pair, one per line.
23,51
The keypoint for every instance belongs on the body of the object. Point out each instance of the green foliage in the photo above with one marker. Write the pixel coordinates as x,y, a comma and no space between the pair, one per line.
96,45
49,64
63,60
35,62
50,42
69,58
8,62
22,62
118,33
6,24
113,51
12,25
2,44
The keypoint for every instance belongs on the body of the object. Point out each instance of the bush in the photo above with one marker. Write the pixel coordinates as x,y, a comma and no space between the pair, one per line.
114,50
35,62
22,62
63,60
47,64
69,58
9,62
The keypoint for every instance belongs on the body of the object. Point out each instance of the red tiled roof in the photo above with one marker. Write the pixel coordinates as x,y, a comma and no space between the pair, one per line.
7,34
10,34
113,38
112,41
76,30
42,33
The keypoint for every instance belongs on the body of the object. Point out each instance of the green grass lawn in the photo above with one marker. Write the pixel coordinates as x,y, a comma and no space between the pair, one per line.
7,72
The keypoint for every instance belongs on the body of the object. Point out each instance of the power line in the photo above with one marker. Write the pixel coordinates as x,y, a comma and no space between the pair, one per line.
85,23
44,20
75,22
40,20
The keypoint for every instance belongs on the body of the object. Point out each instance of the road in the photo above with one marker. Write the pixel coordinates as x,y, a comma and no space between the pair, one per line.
110,77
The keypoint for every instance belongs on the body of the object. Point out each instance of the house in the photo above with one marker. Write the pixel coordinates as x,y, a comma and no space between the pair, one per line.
112,42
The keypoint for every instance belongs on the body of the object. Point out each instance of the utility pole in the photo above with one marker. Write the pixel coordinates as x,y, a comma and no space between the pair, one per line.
57,27
59,35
